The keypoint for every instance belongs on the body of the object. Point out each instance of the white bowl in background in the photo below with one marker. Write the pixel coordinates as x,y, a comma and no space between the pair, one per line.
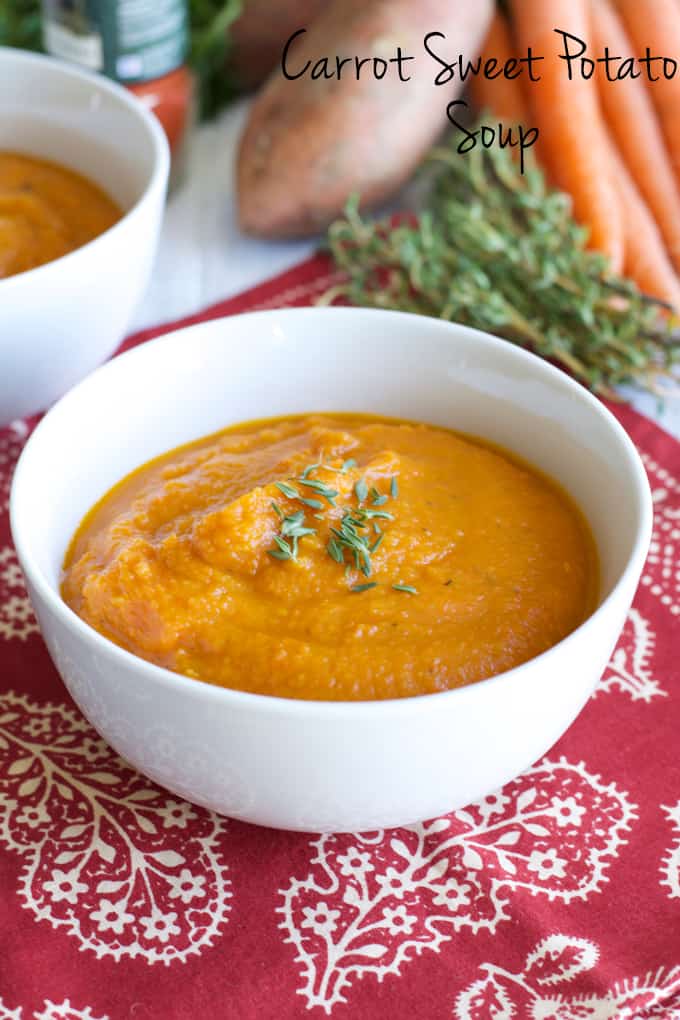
60,320
321,765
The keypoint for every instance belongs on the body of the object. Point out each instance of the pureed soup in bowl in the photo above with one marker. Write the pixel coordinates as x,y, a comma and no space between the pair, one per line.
310,763
334,557
46,211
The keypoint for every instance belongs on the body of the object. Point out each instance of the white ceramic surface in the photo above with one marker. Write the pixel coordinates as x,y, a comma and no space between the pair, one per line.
314,765
57,322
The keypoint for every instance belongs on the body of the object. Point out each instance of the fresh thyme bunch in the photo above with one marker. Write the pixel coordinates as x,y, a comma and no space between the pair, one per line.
500,251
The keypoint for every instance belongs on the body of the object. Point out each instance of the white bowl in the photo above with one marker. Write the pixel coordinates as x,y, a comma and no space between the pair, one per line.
59,321
320,765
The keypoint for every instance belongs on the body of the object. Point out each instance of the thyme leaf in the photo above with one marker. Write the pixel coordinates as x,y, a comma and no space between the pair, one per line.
288,490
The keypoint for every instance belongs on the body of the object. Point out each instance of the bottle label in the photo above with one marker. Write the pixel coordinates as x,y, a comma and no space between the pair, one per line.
132,41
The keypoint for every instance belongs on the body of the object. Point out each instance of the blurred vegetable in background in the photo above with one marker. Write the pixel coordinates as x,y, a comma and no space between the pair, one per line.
20,24
235,44
310,142
210,22
612,145
260,33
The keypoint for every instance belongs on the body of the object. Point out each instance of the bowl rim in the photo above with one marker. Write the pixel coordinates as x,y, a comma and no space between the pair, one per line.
157,179
320,708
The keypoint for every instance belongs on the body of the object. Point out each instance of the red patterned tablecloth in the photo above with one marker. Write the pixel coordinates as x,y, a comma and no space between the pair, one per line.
557,898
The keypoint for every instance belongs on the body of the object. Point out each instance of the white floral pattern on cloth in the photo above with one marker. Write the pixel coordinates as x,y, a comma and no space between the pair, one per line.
670,868
16,615
630,667
538,991
373,901
17,619
109,858
52,1011
65,1011
661,576
12,441
9,1014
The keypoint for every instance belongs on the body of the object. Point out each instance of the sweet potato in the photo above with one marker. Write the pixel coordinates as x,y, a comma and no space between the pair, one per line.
259,34
308,144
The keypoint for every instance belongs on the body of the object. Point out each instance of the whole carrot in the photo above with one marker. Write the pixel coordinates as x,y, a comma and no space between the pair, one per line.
630,116
573,139
503,97
656,24
646,260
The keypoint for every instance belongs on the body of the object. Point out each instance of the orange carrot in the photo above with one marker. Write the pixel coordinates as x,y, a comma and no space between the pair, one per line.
656,24
503,96
630,116
646,261
572,133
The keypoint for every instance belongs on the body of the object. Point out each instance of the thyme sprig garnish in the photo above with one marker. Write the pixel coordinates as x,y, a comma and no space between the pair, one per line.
287,490
283,551
320,488
350,536
376,544
500,251
361,489
293,528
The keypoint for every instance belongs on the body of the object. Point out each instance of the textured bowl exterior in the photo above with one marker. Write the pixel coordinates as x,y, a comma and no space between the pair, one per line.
305,768
318,766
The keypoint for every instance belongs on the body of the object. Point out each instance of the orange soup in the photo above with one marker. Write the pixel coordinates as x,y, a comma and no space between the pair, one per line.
46,211
339,557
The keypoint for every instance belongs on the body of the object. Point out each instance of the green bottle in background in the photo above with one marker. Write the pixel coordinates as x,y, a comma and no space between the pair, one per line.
140,43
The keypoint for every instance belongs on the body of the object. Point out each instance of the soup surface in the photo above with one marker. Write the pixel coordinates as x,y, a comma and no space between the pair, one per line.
335,558
46,211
